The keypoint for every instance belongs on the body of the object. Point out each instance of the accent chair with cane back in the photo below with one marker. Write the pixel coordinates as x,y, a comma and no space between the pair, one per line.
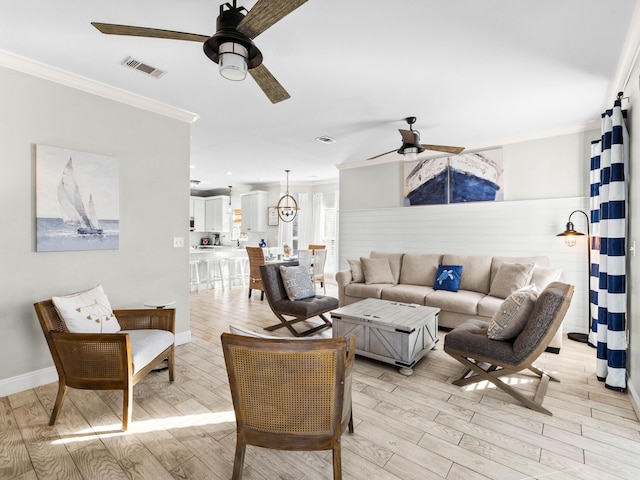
141,340
290,394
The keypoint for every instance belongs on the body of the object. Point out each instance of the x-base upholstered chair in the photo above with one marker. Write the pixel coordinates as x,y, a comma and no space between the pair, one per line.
108,361
300,310
290,394
488,359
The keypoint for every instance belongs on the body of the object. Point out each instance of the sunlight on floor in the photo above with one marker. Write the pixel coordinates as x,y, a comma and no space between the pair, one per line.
146,426
485,384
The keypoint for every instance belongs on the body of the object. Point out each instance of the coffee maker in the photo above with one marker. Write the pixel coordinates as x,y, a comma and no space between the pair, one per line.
216,239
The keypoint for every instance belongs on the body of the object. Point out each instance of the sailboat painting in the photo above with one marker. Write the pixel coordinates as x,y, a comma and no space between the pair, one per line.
76,200
468,177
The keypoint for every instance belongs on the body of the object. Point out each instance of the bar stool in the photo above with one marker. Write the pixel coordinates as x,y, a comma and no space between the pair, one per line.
194,274
235,269
214,272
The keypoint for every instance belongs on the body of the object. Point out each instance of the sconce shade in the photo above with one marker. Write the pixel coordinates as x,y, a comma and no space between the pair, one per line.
570,233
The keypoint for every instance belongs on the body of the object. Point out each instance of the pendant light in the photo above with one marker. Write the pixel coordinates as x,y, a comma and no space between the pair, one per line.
287,206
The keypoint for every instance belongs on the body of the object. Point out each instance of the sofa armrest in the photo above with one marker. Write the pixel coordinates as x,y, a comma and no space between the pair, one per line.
343,278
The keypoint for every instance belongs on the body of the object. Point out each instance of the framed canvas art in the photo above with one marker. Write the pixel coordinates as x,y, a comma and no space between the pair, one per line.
468,177
77,205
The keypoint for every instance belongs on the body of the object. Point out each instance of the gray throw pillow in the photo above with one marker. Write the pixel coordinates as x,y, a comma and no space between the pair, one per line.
376,270
509,278
297,282
512,316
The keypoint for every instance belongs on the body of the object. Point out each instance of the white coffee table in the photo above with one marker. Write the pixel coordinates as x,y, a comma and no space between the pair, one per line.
392,332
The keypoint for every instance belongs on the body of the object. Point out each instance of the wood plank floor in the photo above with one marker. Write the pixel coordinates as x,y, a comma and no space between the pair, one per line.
418,427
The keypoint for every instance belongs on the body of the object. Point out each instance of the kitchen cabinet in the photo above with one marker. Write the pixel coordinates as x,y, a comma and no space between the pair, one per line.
217,215
197,213
254,211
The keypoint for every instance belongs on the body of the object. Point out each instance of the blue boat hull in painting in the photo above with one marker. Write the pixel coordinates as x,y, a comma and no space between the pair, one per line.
464,178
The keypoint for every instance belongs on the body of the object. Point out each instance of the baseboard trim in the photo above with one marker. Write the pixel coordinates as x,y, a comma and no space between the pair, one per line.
25,381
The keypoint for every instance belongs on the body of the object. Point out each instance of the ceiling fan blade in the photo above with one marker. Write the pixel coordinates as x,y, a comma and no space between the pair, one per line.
443,148
113,29
268,83
264,14
383,154
410,136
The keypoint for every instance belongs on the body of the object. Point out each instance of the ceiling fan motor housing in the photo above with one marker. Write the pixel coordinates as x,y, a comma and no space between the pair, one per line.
226,31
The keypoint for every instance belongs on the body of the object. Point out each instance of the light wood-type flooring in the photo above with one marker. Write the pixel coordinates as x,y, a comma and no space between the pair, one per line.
419,427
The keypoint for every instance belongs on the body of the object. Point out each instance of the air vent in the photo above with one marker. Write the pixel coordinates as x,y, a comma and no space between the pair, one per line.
326,139
143,67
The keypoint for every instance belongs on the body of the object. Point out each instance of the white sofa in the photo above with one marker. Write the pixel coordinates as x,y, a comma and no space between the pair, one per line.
484,283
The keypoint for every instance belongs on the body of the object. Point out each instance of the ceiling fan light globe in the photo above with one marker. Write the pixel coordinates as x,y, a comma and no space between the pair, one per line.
410,154
232,61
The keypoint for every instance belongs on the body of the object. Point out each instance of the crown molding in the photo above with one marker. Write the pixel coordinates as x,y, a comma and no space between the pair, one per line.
63,77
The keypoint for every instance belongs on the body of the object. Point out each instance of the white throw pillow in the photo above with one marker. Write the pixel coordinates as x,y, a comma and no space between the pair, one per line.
509,278
297,282
512,316
356,271
376,270
87,312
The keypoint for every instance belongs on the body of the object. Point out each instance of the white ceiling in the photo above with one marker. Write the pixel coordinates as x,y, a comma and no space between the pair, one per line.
474,73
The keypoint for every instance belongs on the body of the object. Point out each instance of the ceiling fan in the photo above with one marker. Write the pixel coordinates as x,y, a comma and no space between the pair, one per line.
231,47
411,145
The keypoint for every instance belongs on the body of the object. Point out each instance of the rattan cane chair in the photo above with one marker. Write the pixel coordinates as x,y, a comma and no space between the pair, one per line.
290,394
105,361
256,258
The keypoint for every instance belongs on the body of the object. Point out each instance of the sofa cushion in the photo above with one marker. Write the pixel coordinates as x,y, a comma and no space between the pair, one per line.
512,316
462,301
419,269
357,275
509,278
362,290
543,276
448,278
147,344
297,282
376,270
406,293
395,262
488,306
476,276
88,311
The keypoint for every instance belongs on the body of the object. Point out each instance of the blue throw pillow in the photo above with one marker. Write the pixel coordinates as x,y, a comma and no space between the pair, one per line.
448,278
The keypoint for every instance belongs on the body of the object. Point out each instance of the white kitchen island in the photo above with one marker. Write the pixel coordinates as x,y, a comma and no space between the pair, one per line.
217,266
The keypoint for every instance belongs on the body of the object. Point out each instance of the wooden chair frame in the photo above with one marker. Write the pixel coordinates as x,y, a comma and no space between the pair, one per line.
485,367
102,361
308,387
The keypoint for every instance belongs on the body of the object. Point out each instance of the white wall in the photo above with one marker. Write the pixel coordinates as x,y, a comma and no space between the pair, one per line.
153,154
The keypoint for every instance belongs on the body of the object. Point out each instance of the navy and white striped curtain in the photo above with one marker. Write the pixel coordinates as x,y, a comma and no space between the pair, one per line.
608,291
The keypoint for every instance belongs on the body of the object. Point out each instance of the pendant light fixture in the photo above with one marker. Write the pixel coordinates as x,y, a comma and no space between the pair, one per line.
287,206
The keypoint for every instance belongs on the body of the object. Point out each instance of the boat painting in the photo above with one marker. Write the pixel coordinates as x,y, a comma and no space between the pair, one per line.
469,177
76,200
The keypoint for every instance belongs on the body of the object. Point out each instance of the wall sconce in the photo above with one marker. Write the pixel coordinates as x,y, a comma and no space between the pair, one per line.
570,235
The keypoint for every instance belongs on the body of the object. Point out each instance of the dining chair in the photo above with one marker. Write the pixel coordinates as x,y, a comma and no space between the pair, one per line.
319,261
305,258
256,258
313,248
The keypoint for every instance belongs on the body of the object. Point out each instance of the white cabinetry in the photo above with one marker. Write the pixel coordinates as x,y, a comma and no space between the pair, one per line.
217,216
197,212
254,211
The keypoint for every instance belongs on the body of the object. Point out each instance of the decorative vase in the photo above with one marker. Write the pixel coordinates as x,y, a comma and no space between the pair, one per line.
262,243
287,250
